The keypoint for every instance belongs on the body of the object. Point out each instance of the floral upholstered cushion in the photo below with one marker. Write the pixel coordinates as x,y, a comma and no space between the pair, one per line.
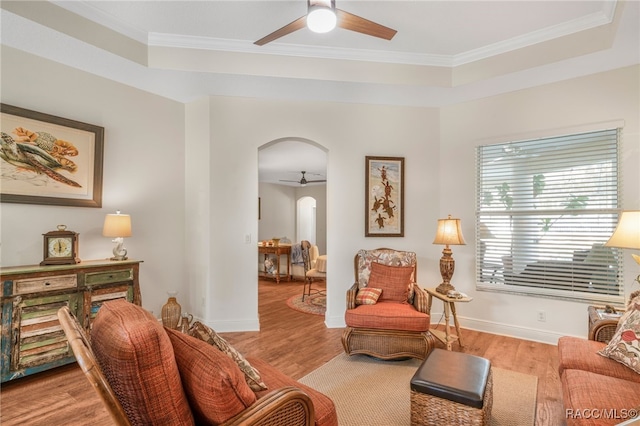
368,296
383,256
395,282
624,346
213,383
206,334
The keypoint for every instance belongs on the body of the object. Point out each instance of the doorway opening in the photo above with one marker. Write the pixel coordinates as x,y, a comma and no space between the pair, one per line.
306,219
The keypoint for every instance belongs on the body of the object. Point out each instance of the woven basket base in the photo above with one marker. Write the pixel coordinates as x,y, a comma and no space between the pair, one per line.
387,344
429,410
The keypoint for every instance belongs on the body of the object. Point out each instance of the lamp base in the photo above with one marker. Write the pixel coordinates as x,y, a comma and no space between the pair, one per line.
119,252
444,288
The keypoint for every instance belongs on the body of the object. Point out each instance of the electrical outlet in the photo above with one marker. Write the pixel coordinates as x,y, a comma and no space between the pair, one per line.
542,316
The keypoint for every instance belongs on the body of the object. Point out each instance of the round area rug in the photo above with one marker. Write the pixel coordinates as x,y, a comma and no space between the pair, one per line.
315,304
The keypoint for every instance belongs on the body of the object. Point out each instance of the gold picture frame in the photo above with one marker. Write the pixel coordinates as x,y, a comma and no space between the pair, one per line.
49,160
384,197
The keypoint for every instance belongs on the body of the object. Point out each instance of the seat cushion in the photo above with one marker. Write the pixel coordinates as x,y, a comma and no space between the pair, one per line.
595,399
215,386
581,354
324,408
136,356
387,316
394,281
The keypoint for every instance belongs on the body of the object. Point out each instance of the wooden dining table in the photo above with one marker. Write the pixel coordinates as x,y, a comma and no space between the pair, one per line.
277,251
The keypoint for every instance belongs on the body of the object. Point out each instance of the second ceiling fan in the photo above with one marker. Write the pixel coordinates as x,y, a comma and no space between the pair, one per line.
323,16
303,181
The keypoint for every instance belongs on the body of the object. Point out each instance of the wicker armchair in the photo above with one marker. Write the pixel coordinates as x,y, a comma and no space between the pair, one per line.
387,330
287,403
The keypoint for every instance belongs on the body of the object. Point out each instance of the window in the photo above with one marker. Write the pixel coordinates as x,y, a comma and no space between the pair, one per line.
544,209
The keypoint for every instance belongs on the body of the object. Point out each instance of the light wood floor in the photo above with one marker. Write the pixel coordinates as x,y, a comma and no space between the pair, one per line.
294,342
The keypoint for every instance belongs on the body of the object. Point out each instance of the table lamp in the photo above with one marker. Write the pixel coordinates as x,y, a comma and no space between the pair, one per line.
448,233
117,226
627,235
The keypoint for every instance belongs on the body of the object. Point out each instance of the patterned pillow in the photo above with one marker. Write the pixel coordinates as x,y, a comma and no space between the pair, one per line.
393,280
215,386
624,346
368,296
206,334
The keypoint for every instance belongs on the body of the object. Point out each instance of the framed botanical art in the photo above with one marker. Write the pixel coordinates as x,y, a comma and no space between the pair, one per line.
384,197
50,160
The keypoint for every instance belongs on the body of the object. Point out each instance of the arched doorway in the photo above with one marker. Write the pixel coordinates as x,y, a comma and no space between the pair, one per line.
306,219
280,163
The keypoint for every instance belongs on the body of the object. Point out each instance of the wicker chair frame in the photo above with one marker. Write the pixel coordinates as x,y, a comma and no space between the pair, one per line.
280,407
387,344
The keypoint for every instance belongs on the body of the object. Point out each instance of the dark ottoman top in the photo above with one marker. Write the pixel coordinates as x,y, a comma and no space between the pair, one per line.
454,376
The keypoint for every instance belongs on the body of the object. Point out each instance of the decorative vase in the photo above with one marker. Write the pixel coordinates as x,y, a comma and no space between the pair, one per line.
185,322
171,311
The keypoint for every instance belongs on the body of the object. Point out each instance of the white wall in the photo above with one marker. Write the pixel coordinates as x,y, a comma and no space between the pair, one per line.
190,222
143,172
355,132
278,212
319,193
279,209
553,109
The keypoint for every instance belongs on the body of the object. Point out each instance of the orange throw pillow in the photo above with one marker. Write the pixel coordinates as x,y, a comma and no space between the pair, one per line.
394,281
214,384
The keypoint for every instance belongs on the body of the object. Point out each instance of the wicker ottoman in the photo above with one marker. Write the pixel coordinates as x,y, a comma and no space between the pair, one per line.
452,388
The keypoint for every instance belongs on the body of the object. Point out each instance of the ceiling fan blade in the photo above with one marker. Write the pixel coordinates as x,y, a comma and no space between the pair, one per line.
352,22
312,181
287,29
296,181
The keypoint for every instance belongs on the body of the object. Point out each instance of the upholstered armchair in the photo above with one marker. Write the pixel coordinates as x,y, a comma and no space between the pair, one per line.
150,375
387,313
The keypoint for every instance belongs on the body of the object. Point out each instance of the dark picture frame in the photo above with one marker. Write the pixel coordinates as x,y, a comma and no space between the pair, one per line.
49,160
384,197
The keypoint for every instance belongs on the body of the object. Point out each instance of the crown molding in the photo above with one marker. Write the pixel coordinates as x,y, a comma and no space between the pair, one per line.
587,22
87,10
322,52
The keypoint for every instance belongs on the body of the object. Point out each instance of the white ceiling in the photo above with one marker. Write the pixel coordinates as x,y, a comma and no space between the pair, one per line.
444,52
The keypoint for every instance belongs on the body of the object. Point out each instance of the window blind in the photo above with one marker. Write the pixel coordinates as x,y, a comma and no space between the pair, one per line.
544,209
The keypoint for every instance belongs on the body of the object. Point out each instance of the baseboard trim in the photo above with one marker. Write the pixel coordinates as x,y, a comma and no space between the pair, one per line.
222,326
509,330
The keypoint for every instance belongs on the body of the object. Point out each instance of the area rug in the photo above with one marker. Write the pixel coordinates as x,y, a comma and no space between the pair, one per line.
315,304
368,391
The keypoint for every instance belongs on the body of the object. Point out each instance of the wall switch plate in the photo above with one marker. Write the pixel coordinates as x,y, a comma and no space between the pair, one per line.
247,239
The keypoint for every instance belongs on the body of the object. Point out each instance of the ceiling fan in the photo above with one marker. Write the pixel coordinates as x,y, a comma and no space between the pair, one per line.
303,181
323,16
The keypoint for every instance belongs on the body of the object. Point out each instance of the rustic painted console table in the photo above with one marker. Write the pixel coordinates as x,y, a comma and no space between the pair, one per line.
32,339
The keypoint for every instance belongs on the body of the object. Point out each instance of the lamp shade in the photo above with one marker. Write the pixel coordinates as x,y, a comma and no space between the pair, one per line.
627,233
449,232
117,225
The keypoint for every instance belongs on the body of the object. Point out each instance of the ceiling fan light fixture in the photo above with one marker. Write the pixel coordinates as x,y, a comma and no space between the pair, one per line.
321,19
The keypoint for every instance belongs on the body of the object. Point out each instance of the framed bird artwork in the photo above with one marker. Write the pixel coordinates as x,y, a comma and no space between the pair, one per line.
49,160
